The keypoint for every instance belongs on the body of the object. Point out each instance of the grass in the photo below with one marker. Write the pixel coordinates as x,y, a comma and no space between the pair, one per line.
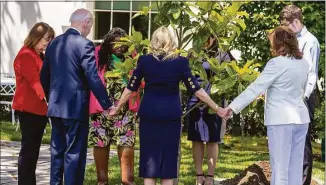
244,152
9,133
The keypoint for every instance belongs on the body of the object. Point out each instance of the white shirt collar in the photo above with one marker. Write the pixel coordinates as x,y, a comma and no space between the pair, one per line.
76,30
302,31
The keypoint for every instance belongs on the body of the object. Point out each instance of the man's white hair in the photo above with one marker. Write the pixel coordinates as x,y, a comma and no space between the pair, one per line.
80,15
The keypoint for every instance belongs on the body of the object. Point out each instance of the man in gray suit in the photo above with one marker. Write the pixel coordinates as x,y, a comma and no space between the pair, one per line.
291,16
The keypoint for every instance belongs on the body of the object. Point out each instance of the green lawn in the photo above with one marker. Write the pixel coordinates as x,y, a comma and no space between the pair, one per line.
9,133
244,152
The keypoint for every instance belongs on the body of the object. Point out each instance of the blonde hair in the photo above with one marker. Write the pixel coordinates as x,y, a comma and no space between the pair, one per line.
163,43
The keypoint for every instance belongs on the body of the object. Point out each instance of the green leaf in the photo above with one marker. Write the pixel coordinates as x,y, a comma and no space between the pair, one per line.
235,67
145,10
128,63
254,104
131,48
203,74
245,111
223,85
163,12
229,70
214,26
176,13
205,5
137,36
248,77
111,74
197,43
145,42
240,88
136,15
234,7
248,64
243,13
224,43
241,23
200,39
217,16
125,39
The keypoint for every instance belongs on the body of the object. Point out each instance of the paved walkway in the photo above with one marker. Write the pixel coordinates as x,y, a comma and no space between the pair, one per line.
9,160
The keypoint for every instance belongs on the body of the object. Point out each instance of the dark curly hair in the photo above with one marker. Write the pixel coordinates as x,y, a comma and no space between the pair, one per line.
284,42
104,54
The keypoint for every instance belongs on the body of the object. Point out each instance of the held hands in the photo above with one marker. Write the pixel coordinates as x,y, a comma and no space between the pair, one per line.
224,113
114,111
229,112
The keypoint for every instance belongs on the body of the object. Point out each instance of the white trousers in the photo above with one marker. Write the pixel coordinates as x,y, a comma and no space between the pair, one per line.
286,148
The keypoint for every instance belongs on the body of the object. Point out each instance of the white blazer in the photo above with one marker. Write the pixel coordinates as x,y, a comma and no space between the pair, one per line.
284,78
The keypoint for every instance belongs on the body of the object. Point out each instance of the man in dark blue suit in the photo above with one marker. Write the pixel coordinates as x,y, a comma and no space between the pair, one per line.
69,73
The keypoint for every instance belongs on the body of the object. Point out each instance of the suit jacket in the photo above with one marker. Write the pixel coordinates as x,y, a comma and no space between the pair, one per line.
69,73
29,95
161,99
284,78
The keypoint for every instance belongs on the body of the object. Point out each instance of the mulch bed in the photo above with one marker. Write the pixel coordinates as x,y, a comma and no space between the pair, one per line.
256,174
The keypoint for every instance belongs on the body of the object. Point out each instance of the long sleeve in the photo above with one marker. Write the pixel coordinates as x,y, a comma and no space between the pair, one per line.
188,78
311,53
260,85
136,76
90,70
29,70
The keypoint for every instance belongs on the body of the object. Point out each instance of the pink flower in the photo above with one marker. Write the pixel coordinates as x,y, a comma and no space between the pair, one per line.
100,143
117,124
96,124
130,133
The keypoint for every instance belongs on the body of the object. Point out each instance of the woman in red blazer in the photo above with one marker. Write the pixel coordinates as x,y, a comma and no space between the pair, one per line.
29,100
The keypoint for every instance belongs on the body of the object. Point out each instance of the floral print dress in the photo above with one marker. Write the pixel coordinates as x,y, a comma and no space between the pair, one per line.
118,130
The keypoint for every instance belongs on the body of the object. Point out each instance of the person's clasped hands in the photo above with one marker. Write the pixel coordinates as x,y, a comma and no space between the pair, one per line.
110,112
225,113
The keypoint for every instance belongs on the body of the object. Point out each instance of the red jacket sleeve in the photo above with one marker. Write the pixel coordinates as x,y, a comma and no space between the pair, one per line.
28,68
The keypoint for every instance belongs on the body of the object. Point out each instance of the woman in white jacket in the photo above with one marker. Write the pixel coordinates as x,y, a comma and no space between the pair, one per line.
286,115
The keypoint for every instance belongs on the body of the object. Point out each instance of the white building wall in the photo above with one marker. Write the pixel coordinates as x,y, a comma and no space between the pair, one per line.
17,18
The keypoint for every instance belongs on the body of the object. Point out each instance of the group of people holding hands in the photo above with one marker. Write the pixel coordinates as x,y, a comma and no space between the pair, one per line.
62,78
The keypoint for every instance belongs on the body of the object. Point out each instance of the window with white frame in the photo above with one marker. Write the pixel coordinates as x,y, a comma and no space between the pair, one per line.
109,14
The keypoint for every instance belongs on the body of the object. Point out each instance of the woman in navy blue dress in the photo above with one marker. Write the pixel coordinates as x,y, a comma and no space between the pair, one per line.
160,110
203,127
